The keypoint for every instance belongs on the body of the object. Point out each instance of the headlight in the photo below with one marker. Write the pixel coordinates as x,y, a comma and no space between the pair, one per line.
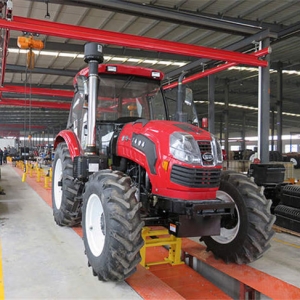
217,150
184,148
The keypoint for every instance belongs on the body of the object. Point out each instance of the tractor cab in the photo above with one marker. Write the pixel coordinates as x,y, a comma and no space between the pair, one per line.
125,94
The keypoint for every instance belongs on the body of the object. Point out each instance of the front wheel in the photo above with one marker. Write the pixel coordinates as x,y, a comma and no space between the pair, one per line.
111,225
246,234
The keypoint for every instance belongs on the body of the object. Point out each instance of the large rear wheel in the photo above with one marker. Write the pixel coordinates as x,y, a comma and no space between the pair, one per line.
66,206
111,225
246,234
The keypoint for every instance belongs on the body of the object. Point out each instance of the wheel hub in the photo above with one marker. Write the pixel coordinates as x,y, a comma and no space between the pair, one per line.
57,184
95,225
229,225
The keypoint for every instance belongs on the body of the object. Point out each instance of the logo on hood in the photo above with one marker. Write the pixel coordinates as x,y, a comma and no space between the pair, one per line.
207,156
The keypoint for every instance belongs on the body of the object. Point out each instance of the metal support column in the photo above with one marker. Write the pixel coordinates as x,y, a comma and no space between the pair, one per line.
272,130
226,115
221,130
279,107
264,108
211,104
244,132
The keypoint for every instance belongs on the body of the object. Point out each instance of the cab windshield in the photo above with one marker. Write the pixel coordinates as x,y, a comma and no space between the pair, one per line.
188,105
123,96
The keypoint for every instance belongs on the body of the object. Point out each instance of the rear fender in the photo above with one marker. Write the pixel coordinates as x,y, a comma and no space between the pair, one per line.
71,140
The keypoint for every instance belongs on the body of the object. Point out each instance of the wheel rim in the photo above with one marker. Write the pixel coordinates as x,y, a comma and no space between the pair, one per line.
95,225
293,161
227,235
57,179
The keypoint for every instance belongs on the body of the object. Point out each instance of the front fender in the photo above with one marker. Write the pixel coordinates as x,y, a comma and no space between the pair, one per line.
69,137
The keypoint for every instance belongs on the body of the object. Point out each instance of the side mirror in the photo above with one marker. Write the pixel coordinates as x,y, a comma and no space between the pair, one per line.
188,96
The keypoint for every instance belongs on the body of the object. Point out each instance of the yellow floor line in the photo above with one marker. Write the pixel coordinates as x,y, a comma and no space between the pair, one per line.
1,276
286,243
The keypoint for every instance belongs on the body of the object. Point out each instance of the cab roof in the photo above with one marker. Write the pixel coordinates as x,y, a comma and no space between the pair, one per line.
122,70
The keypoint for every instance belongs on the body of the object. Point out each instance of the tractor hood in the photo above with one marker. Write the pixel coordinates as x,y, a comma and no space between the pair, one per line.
162,129
168,140
168,148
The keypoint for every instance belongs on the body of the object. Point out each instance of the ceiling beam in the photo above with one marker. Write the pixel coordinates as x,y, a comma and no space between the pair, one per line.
218,68
37,91
290,31
34,103
172,15
49,71
128,40
249,41
107,50
36,122
49,86
18,126
188,18
29,96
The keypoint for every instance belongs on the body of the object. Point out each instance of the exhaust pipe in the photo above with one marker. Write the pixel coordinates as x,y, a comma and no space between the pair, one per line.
93,55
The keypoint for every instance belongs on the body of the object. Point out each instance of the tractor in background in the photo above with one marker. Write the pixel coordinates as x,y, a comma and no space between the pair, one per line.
131,156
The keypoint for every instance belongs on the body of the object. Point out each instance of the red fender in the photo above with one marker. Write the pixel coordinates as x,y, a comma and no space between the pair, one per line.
71,139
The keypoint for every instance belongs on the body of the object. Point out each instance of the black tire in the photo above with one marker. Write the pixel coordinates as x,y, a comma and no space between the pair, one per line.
288,212
288,217
111,225
66,206
291,196
246,235
279,156
271,156
298,163
293,161
248,155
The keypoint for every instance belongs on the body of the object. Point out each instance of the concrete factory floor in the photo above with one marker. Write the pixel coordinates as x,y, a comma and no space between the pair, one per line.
40,260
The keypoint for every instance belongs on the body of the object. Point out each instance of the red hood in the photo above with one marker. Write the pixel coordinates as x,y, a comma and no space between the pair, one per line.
165,128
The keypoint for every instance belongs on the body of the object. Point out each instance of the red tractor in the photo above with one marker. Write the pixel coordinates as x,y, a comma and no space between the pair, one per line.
133,156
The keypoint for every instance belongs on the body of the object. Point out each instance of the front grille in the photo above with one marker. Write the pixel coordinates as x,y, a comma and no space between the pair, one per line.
205,147
195,178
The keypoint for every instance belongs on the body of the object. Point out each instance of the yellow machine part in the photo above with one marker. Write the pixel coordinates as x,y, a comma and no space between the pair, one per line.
30,61
162,238
29,43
